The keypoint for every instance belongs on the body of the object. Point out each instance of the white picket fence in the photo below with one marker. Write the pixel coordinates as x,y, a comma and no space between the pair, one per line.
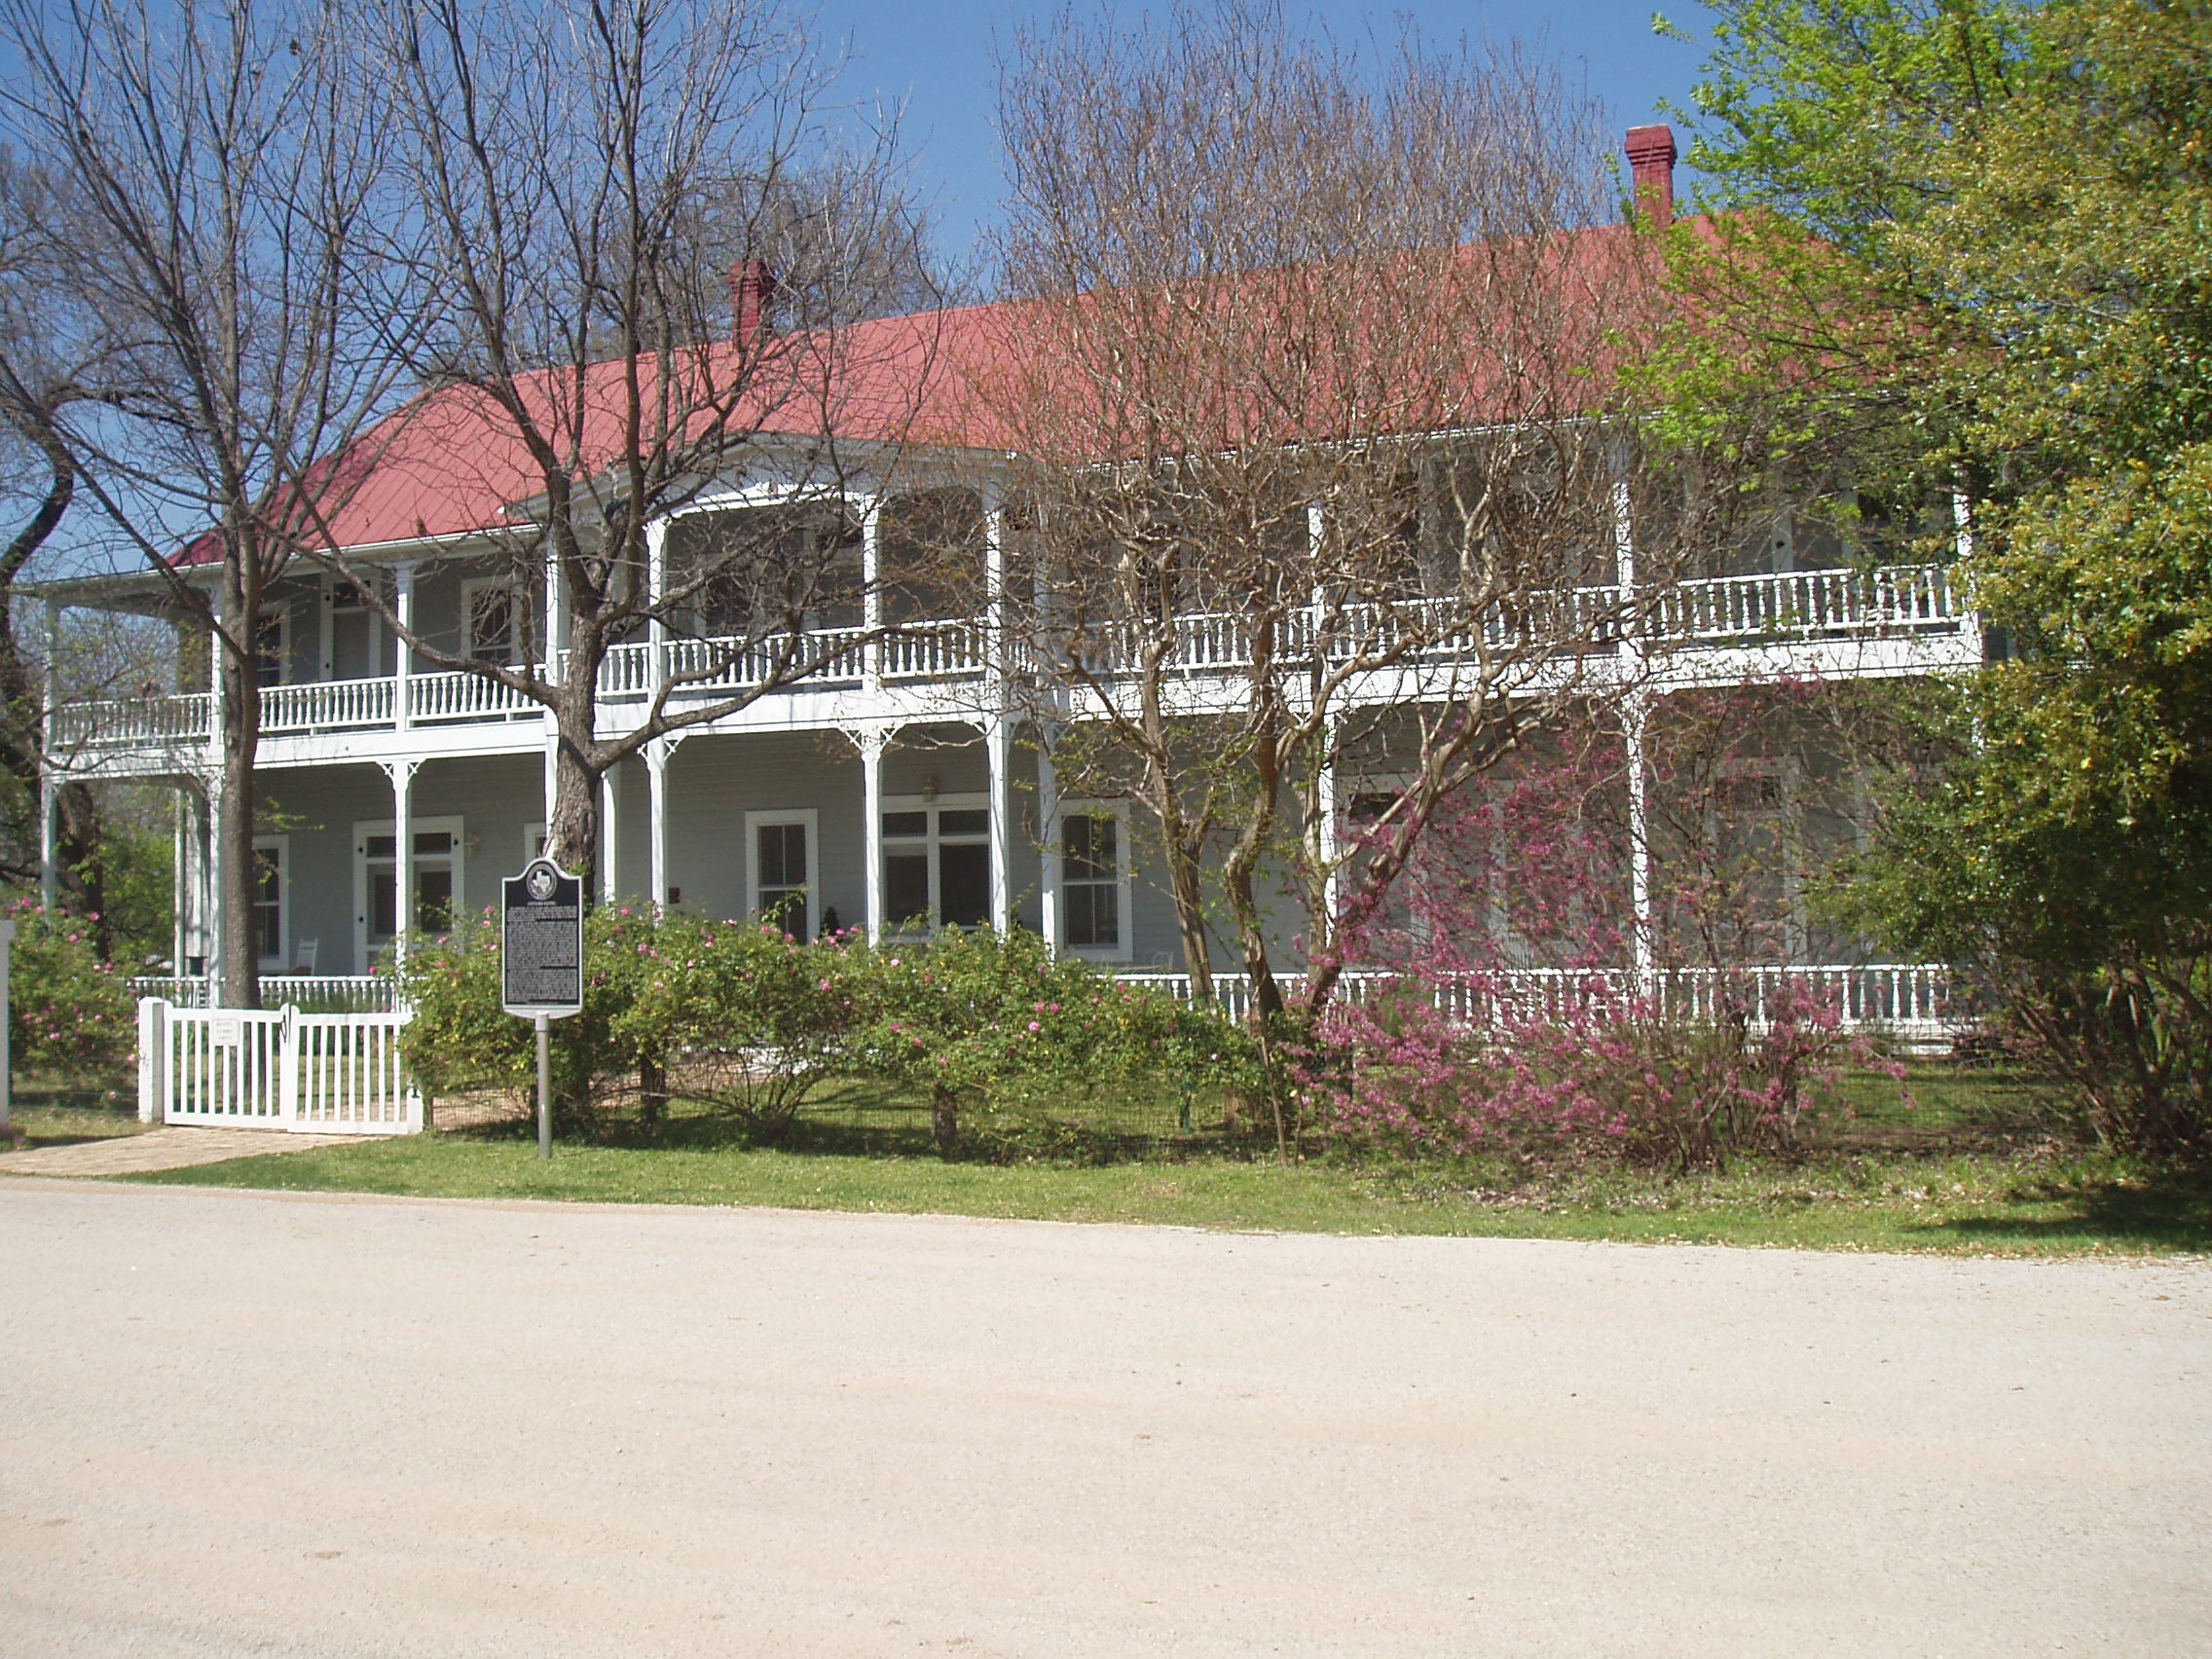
334,1074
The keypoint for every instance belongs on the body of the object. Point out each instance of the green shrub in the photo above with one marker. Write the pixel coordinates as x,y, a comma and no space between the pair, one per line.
740,1018
69,1012
460,1039
1000,1024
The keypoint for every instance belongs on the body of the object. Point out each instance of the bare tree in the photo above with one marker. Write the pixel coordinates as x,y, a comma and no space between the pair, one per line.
217,162
648,245
1310,375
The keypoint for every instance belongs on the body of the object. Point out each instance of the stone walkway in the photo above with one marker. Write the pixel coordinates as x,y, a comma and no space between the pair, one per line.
171,1148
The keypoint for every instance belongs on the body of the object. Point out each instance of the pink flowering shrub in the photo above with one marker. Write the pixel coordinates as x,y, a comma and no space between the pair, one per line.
68,1010
1596,1072
1509,1019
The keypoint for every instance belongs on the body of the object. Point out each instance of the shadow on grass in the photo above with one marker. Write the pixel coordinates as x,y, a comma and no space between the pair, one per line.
868,1120
2167,1211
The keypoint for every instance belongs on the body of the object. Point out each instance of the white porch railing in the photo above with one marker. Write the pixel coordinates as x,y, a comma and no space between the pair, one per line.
1806,604
1910,1001
321,993
138,722
433,698
332,704
1723,610
310,1073
935,650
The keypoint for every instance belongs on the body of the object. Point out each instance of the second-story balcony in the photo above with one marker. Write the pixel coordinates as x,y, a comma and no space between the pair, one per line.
1716,614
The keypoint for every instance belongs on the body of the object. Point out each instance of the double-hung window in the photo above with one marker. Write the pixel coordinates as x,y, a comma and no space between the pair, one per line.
779,870
272,871
1094,880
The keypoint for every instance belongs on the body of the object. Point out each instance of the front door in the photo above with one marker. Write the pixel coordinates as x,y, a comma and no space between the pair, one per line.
376,883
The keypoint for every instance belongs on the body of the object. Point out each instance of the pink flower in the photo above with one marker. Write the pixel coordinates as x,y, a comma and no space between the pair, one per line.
1033,1025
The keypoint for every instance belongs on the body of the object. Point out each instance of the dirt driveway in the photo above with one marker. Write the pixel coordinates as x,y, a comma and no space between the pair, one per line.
239,1423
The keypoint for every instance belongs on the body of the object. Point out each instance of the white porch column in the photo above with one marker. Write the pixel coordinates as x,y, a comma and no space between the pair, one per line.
1635,708
656,592
48,839
609,832
1962,534
872,745
872,591
402,775
180,883
402,653
1048,843
998,729
213,869
196,819
552,769
1327,840
657,754
49,792
551,633
998,744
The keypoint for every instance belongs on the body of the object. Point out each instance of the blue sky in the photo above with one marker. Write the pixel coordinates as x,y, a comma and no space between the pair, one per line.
937,60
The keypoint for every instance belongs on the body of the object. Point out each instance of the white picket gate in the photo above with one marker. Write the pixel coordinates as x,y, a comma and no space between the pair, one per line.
332,1074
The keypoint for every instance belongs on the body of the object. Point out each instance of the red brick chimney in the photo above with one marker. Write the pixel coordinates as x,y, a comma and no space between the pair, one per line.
1651,163
752,285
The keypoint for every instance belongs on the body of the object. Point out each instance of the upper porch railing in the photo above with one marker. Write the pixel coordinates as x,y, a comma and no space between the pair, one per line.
1718,611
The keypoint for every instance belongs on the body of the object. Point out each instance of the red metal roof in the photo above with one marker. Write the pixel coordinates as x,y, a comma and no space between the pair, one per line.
452,461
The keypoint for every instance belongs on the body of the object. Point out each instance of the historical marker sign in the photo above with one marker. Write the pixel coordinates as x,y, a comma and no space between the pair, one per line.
542,942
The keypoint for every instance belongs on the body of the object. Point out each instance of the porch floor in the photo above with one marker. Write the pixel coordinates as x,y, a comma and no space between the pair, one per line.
173,1148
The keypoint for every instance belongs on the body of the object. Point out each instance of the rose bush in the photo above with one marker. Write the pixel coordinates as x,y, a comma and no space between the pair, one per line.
69,1012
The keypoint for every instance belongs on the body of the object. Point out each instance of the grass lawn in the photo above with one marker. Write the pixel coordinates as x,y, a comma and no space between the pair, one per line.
54,1113
1972,1168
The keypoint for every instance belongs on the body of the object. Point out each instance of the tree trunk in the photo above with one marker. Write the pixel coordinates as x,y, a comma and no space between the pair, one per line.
572,828
1183,885
652,1097
237,972
1185,852
944,1118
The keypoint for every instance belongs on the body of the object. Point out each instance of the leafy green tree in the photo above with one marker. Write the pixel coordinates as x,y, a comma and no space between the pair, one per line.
1965,248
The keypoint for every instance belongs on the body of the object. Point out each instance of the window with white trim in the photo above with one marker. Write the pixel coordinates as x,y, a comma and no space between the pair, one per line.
779,885
533,842
272,644
271,881
936,863
1094,880
490,624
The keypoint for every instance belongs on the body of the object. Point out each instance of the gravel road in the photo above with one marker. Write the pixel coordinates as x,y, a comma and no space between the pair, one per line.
248,1423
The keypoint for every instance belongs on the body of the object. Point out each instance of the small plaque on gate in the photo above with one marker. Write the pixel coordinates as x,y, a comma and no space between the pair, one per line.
223,1031
542,942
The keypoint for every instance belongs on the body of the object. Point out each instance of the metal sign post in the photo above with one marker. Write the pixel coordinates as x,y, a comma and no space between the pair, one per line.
541,964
